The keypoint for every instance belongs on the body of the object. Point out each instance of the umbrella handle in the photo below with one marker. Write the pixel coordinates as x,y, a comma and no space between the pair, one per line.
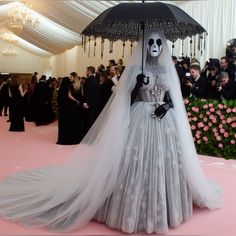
142,28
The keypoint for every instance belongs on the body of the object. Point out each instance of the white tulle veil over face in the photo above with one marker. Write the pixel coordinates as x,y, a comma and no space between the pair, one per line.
89,176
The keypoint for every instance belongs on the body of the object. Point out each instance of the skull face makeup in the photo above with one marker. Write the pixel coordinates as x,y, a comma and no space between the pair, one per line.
154,45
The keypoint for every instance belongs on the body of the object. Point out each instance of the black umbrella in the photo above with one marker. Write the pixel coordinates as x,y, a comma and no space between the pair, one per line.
126,21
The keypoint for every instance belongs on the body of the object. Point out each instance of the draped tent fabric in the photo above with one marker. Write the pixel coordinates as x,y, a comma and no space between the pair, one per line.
60,23
67,19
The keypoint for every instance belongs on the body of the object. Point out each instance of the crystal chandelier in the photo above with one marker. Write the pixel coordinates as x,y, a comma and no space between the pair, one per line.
9,37
9,52
21,15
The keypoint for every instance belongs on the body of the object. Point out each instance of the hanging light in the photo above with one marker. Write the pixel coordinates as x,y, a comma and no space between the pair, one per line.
21,15
8,37
9,52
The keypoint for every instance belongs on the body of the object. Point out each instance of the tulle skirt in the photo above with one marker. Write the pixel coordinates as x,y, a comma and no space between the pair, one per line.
152,191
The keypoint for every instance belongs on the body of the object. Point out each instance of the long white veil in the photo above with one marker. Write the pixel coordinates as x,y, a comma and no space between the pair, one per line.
67,197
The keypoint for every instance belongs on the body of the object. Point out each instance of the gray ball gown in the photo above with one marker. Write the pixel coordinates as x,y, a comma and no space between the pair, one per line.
152,190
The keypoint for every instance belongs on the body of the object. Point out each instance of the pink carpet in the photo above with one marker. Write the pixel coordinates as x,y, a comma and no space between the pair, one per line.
36,147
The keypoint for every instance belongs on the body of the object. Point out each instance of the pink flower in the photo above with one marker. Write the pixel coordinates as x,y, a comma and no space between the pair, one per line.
220,145
223,122
201,116
208,113
210,105
206,128
214,121
200,125
211,117
232,141
205,119
195,109
205,106
222,131
205,138
234,109
186,101
193,127
199,141
221,126
228,120
197,136
198,132
194,118
226,134
233,125
218,112
228,110
212,109
214,130
189,113
189,119
222,117
210,124
218,138
221,106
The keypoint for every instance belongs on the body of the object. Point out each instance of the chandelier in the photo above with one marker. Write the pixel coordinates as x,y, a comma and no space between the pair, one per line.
9,52
21,15
9,37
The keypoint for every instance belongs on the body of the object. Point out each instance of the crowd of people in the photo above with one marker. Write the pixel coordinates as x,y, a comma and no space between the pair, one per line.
217,79
77,101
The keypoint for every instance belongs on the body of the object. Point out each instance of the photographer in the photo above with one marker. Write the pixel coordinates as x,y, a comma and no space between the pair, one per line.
184,75
226,66
197,83
227,88
213,82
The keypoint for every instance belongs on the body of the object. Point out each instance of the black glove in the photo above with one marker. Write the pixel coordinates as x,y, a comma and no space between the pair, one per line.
161,110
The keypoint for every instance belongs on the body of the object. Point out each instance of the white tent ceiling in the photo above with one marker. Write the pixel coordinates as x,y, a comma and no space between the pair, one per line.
60,23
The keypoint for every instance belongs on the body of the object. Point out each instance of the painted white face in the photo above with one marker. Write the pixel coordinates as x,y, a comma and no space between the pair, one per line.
154,45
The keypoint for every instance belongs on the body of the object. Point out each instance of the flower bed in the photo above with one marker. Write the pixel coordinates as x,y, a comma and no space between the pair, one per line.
213,125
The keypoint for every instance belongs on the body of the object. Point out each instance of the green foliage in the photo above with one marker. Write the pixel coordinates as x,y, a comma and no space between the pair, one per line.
213,125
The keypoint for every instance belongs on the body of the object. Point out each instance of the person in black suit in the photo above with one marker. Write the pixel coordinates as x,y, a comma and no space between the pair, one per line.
42,102
4,96
227,88
91,102
105,85
197,83
226,66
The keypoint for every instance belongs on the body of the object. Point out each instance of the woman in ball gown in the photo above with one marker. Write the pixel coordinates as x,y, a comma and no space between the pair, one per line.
136,170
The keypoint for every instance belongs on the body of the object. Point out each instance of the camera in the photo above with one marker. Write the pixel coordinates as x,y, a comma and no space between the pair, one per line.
218,81
188,78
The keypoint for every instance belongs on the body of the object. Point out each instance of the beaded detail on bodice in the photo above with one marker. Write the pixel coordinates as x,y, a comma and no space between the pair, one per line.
154,91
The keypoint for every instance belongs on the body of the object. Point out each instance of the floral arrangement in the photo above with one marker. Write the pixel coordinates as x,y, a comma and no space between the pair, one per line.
213,125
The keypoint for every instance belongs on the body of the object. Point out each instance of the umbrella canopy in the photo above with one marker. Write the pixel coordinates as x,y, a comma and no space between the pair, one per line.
126,21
